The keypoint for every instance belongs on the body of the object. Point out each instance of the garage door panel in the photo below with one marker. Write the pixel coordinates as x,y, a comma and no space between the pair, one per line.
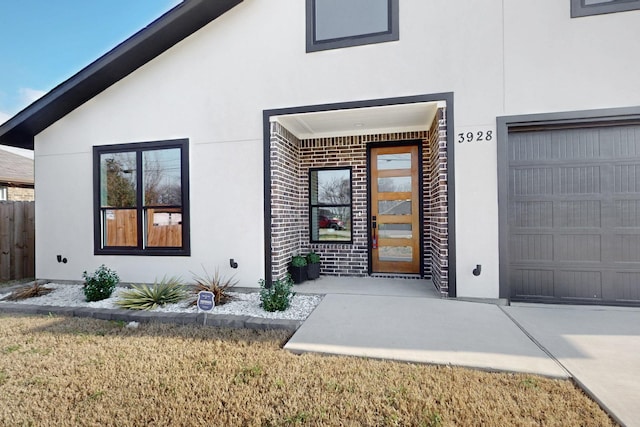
578,284
531,247
531,181
574,214
532,214
627,286
626,178
627,213
578,247
578,180
531,282
626,248
574,145
578,214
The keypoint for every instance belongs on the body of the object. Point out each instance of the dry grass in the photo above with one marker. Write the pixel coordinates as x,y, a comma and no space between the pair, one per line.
72,371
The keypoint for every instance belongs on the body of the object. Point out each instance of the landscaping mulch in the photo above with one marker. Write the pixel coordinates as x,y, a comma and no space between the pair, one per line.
77,371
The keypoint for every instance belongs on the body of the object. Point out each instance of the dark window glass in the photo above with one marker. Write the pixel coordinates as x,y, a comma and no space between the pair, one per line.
330,205
143,197
333,24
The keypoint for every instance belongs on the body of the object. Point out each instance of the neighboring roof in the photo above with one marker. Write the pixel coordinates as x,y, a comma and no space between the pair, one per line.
172,27
15,169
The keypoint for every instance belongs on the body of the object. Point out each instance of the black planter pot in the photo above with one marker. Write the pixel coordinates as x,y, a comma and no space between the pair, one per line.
313,271
298,274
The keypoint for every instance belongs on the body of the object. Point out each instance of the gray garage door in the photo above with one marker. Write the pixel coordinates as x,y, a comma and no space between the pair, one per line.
574,214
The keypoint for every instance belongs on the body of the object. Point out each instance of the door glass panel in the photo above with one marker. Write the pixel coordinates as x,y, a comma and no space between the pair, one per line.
394,184
394,207
395,231
395,253
394,161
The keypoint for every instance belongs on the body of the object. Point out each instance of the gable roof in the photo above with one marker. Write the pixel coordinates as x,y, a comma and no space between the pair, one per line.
172,27
15,169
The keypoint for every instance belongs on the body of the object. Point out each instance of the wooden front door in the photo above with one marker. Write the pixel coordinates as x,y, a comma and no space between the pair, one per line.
395,210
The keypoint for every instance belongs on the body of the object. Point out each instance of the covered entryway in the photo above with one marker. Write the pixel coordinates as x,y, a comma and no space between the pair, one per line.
318,188
572,226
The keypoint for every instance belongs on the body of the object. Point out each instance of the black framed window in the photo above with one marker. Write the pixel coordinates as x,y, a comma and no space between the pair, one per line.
334,24
599,7
330,205
141,198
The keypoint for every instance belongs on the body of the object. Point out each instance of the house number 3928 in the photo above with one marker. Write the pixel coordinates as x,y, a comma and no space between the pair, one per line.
475,136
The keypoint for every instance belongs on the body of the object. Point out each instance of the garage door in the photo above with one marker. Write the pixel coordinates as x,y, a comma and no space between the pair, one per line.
574,214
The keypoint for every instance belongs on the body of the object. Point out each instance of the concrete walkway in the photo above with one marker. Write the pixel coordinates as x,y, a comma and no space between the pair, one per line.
598,346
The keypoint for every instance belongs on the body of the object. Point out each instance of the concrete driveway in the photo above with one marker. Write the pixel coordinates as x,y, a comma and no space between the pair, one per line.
598,346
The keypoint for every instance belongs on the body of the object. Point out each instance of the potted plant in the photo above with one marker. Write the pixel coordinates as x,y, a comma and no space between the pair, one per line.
298,268
313,265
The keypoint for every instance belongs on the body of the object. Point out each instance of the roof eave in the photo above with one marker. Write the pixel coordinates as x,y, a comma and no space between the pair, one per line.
148,43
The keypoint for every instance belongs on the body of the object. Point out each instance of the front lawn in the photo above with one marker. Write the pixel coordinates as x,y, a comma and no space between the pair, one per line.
78,371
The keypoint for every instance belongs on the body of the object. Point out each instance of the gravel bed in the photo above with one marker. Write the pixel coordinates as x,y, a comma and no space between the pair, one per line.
242,304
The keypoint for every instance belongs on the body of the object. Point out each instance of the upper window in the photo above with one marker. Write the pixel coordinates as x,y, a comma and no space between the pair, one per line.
3,193
598,7
334,24
142,198
330,205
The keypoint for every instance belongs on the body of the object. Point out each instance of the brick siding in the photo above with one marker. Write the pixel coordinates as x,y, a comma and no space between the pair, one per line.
20,194
291,160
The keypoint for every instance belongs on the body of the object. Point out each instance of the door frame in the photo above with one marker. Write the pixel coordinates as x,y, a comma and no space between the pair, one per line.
573,119
404,143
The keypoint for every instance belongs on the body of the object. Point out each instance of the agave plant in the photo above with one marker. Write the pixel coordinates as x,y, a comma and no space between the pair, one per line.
30,291
147,297
216,284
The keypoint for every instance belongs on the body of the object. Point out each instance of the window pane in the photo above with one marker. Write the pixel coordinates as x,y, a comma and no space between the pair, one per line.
394,207
121,227
162,177
394,184
118,180
395,253
395,231
164,227
331,224
346,18
394,161
330,187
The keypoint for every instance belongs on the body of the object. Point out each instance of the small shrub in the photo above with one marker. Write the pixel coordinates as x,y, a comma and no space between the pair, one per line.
298,261
216,284
145,297
100,284
278,297
30,291
313,258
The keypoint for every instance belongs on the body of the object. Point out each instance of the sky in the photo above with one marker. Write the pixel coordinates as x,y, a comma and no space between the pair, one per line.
44,42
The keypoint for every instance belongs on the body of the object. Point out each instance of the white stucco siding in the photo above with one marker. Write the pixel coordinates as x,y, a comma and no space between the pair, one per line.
213,87
555,63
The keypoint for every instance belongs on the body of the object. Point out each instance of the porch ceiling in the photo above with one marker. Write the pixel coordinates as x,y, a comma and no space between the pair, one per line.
360,121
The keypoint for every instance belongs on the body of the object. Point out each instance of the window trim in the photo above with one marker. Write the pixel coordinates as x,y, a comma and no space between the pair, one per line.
314,45
319,205
579,9
141,147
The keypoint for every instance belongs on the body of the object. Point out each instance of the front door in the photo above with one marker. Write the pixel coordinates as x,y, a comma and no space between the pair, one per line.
395,210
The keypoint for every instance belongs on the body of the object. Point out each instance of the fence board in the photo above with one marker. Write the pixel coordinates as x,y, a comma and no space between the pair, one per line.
17,240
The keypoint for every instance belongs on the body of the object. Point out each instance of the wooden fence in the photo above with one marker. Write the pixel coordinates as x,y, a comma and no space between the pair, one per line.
17,240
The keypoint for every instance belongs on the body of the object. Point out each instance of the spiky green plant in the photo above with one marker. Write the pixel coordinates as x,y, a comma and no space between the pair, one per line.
217,284
30,291
147,297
